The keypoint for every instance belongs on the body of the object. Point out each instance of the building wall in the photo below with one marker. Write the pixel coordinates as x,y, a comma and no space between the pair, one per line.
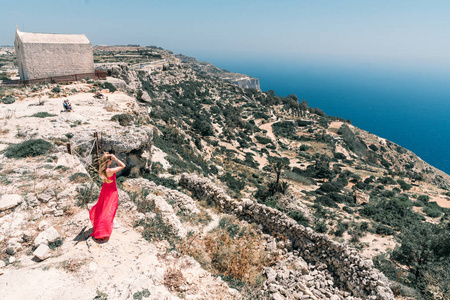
20,56
41,60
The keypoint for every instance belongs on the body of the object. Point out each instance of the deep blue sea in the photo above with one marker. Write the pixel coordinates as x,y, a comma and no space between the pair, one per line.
409,106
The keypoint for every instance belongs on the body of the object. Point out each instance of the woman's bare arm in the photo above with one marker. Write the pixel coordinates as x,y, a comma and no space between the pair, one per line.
116,169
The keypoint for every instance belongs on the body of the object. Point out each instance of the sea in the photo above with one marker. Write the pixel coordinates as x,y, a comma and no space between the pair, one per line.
408,105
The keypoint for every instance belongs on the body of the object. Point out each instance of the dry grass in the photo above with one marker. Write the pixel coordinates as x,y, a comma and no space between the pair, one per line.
3,245
72,265
234,249
173,278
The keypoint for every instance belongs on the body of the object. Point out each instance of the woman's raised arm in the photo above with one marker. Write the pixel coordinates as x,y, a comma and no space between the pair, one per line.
116,169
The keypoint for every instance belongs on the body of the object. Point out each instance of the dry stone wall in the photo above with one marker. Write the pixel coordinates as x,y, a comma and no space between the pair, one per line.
354,271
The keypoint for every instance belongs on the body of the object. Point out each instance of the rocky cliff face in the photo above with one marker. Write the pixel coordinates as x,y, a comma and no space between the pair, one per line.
246,82
241,80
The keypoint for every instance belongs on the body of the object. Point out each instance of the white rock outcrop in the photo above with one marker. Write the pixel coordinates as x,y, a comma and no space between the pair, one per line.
42,252
9,201
48,236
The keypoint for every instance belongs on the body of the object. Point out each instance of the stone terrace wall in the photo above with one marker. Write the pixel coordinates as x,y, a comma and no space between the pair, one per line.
354,271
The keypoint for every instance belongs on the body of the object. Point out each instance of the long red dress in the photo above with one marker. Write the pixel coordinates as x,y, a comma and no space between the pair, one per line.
103,212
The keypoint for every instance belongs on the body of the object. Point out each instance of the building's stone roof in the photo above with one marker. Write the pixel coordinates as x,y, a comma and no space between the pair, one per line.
52,38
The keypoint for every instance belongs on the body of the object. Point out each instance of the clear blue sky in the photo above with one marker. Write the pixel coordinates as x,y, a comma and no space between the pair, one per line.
406,31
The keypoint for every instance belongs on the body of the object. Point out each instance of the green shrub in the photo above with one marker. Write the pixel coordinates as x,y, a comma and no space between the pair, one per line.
432,212
424,198
341,228
328,187
385,230
155,229
396,213
286,129
56,89
232,182
320,227
403,185
87,193
145,293
34,147
338,155
373,147
167,182
299,217
123,119
42,114
203,127
79,177
386,180
55,244
8,100
263,140
109,86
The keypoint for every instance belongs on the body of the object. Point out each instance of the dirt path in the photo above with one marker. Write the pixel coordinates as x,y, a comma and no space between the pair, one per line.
268,128
125,265
442,201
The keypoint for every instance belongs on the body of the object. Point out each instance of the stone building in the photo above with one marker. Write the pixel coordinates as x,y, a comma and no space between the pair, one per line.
42,55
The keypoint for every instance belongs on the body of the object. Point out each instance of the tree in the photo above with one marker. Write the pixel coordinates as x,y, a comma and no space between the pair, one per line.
278,167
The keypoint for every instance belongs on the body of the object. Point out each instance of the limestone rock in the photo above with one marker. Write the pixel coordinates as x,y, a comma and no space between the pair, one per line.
47,236
46,196
131,139
123,197
13,246
146,97
58,213
167,213
361,197
9,201
300,265
129,79
72,162
42,252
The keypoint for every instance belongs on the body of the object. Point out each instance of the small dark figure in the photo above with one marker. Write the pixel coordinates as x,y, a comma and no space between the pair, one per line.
67,106
98,95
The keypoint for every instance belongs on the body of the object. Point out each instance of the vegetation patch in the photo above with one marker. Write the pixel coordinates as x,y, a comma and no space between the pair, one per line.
285,129
42,114
8,100
109,86
233,250
34,147
123,119
87,193
80,177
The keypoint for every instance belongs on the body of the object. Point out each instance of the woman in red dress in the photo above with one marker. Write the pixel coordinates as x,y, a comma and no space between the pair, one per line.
103,212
